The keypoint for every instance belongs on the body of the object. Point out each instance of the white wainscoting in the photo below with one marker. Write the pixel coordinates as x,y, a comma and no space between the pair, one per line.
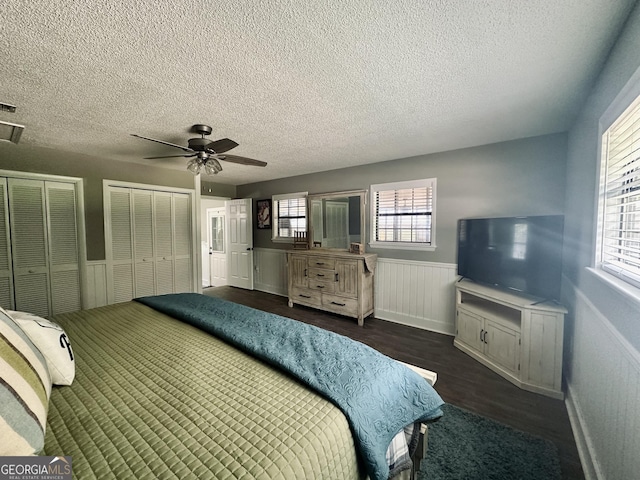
603,395
419,294
270,273
95,291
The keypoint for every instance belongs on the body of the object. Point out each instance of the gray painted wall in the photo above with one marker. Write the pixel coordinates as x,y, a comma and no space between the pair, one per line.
582,183
27,158
521,177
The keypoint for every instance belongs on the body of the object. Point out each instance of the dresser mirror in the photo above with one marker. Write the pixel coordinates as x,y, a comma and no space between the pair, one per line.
336,219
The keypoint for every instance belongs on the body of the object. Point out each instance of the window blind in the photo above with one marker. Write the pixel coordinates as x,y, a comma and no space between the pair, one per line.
291,216
403,215
620,215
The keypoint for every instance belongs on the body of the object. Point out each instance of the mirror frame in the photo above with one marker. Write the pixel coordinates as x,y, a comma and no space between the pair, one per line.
328,196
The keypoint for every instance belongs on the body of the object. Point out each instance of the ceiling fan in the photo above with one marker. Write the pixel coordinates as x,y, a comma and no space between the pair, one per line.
205,154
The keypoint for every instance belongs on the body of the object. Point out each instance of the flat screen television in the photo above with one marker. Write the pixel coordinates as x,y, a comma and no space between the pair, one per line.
517,253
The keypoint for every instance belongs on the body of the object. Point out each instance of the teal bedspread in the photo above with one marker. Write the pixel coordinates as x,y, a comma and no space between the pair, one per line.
378,395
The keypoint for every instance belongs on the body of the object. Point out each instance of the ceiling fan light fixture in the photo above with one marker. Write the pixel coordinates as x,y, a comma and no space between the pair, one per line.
193,166
210,168
215,163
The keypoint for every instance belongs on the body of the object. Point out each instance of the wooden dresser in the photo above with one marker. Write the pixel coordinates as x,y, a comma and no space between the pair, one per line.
338,282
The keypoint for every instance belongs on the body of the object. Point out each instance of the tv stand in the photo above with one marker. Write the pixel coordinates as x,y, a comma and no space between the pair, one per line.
517,336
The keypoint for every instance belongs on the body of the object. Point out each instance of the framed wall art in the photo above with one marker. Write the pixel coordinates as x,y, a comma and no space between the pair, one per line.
264,214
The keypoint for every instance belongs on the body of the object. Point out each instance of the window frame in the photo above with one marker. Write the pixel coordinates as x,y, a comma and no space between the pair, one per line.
275,204
623,105
420,246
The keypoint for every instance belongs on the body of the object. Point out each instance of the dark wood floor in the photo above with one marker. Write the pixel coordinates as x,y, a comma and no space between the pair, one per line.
461,380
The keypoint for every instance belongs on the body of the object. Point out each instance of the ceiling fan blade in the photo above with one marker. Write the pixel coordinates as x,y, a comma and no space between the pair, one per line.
222,145
172,156
186,149
243,160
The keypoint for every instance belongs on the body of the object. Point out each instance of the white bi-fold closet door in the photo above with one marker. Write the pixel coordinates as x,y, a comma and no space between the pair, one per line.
39,254
149,243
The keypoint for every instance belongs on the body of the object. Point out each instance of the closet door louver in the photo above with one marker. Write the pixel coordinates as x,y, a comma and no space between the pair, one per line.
182,240
163,210
63,247
143,240
29,245
6,272
121,244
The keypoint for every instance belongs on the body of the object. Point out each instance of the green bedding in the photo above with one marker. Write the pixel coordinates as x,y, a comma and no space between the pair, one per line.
157,398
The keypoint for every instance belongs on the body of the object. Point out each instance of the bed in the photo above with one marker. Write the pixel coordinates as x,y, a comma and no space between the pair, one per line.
155,396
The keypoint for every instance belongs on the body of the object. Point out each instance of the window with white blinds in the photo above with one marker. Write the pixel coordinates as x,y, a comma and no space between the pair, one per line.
289,215
619,214
403,214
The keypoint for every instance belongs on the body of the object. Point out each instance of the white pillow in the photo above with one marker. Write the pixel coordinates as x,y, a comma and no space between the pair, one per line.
52,341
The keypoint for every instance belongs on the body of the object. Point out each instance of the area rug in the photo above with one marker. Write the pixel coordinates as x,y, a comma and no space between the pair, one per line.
463,445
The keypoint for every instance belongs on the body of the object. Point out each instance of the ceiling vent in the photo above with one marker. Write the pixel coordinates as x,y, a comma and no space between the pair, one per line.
10,132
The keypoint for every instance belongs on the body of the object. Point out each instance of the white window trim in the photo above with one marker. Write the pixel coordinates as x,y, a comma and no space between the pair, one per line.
627,96
274,228
397,186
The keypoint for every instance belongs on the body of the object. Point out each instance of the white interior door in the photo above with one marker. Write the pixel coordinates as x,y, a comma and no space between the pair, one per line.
240,251
216,247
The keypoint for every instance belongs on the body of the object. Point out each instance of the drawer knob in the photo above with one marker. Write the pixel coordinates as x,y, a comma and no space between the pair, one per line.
339,304
305,296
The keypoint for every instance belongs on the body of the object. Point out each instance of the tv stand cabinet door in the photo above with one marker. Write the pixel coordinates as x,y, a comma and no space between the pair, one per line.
469,329
502,346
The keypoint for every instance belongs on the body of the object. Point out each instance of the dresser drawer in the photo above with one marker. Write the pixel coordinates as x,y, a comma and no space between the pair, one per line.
342,305
325,286
321,274
322,262
307,296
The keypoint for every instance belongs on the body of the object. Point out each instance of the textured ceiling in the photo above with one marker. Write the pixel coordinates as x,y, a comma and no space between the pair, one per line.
306,86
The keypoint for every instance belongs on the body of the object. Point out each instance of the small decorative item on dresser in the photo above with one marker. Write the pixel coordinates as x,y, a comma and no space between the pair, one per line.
357,248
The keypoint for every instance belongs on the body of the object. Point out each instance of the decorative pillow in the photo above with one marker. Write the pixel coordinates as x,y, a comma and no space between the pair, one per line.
54,344
25,387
